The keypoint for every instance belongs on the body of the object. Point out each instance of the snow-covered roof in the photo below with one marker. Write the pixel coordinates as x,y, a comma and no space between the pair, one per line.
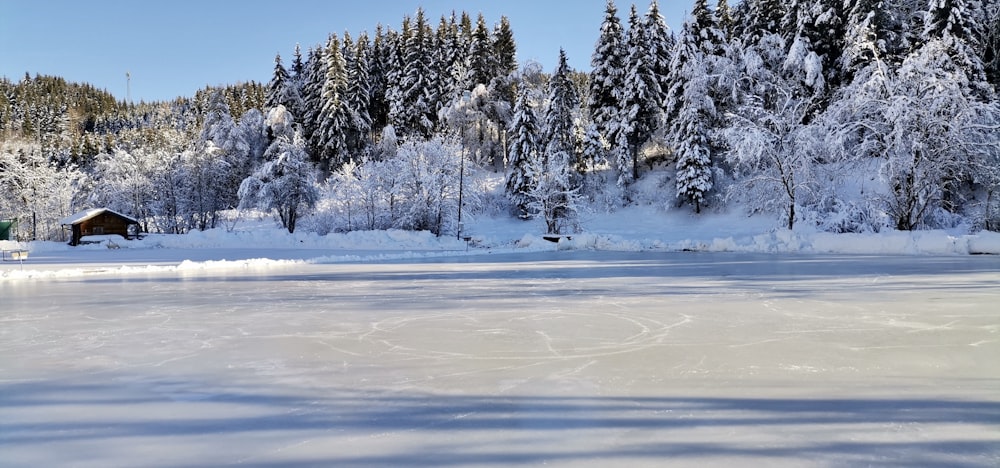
87,214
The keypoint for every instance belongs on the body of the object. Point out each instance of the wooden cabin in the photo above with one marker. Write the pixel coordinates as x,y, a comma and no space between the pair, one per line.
99,222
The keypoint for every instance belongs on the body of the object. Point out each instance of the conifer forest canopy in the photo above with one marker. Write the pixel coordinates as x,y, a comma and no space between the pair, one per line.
856,116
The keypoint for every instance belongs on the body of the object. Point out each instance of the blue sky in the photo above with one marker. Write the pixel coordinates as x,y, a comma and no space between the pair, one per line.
173,48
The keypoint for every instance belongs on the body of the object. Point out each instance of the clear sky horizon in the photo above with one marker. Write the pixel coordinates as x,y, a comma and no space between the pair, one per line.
175,48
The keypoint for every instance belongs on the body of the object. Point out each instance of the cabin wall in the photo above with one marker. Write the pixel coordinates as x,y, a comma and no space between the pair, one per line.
104,224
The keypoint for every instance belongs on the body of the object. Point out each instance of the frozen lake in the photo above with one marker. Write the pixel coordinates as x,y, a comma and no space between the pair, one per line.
559,358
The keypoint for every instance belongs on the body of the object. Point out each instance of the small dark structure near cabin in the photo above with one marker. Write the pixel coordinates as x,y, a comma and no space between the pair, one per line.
8,229
100,221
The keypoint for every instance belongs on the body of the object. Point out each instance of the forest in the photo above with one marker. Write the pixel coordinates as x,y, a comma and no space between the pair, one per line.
842,115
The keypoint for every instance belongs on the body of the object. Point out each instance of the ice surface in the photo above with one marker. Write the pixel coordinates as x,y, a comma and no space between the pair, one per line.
567,358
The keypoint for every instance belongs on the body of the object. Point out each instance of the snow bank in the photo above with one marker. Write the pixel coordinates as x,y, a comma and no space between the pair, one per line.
985,242
634,229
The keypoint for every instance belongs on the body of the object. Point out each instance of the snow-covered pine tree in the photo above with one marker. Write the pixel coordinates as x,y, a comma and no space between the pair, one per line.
504,48
564,101
286,181
504,83
334,117
960,25
724,18
454,69
640,98
298,66
524,154
483,59
358,96
691,104
991,45
395,92
379,62
823,24
661,47
622,157
607,77
295,94
593,161
312,100
419,79
755,19
277,88
556,193
866,36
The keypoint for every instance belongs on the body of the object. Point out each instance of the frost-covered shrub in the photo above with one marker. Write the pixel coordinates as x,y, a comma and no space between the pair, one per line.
837,215
417,189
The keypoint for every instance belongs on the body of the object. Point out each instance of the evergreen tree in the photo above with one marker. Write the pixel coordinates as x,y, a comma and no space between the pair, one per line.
560,115
867,35
959,25
380,63
661,48
419,80
758,18
277,88
524,154
359,130
692,104
455,66
295,88
334,116
396,87
483,66
554,197
298,66
640,97
825,29
504,48
312,99
724,19
607,77
991,46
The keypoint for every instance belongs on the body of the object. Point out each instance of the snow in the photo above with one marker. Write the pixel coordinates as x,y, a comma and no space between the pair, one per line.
257,242
87,214
611,347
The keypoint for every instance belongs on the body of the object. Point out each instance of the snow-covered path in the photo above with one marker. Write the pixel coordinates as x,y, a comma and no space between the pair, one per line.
561,358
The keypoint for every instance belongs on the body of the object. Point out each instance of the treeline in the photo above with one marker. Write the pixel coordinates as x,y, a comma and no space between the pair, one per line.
848,116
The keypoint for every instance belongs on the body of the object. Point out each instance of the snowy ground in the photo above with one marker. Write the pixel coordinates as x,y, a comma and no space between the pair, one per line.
400,349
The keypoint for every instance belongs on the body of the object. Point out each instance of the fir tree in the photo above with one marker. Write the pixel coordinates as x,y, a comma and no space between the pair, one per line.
312,98
483,66
692,105
607,78
419,80
724,19
991,46
758,18
959,25
524,154
661,47
867,35
554,196
504,48
563,104
640,97
277,88
359,97
380,63
334,115
824,26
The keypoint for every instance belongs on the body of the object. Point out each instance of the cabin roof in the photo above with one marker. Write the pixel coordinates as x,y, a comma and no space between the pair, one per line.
88,214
